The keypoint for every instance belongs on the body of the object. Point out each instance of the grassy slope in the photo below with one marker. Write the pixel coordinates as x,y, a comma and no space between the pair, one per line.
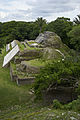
10,93
16,102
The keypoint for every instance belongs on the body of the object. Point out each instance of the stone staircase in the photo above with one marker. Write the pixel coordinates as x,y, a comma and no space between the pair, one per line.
21,71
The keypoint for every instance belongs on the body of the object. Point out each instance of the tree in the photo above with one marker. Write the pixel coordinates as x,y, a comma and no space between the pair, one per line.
61,26
74,35
77,20
41,22
18,30
33,31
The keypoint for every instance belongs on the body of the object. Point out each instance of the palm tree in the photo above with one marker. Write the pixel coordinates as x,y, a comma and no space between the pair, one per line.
77,20
40,21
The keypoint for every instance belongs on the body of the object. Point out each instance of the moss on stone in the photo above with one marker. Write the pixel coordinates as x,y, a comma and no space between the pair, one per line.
31,42
13,66
21,46
51,53
32,48
19,74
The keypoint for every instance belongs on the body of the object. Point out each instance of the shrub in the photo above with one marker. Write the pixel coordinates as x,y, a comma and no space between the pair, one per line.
74,105
57,104
63,73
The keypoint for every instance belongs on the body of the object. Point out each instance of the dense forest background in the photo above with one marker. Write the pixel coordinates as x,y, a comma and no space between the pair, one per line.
66,29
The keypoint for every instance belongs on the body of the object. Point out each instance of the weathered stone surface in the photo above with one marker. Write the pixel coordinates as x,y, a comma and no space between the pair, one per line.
19,59
53,46
52,53
24,67
21,78
49,39
44,36
26,41
24,81
30,53
13,76
40,38
24,44
34,45
60,52
63,94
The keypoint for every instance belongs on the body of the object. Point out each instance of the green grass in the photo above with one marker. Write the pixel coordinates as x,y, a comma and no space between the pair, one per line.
21,46
32,112
36,62
10,93
20,74
30,42
3,53
32,48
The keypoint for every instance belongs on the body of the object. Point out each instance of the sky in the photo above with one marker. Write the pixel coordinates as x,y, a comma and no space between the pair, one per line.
30,10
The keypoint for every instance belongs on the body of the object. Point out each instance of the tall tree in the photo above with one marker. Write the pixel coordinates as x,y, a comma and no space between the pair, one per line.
77,20
41,22
74,35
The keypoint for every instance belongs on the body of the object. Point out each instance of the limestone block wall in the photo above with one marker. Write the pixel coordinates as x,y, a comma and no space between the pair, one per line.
13,76
23,81
63,94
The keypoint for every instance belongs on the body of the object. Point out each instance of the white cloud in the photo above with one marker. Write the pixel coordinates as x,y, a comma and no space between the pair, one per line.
3,14
27,10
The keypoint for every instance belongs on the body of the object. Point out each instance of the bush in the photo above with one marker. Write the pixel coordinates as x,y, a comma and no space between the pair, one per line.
74,105
57,104
63,73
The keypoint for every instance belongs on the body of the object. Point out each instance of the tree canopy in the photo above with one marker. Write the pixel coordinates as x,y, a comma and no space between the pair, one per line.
21,30
61,26
41,23
74,35
77,20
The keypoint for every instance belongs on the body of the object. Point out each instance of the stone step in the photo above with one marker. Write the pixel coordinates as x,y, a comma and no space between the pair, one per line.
21,78
30,53
18,60
24,81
